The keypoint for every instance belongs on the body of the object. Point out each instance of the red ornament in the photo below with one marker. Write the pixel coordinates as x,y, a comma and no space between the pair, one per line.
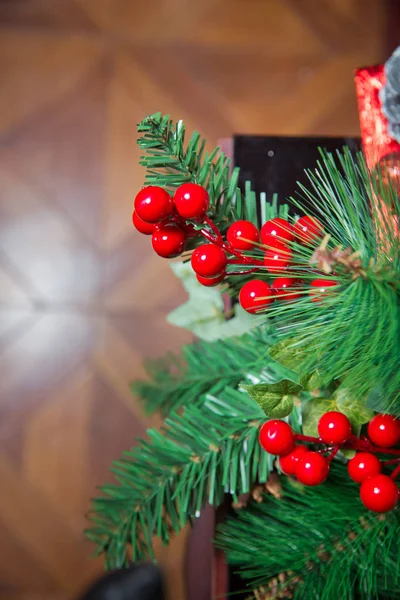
143,226
318,288
276,437
379,493
284,288
153,204
362,466
312,468
191,201
211,281
242,229
277,258
288,462
168,240
308,230
255,295
384,430
209,260
276,230
334,428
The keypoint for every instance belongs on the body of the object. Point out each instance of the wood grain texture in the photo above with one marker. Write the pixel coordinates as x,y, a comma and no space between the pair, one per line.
82,297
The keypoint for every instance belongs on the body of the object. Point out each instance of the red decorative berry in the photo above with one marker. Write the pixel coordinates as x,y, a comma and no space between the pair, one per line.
255,295
379,493
334,428
209,260
242,229
211,281
308,229
277,258
288,462
276,230
384,430
143,226
191,201
168,240
318,288
285,288
312,468
362,466
276,437
153,204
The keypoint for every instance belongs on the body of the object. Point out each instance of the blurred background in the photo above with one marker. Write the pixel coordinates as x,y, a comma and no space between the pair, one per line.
83,298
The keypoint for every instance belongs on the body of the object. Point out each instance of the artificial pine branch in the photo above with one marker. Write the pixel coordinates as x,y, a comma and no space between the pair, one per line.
315,543
182,380
165,481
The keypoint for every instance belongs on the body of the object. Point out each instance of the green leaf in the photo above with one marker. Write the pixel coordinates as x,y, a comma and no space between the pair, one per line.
276,399
341,401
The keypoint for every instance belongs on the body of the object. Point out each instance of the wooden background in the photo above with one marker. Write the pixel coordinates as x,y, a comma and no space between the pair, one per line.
82,297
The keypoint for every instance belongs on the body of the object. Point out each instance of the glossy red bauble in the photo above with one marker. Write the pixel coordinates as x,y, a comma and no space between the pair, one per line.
143,226
285,288
169,240
255,295
362,466
312,468
211,281
308,230
379,493
384,430
288,462
242,229
334,428
276,230
209,260
319,287
153,204
191,201
277,258
276,437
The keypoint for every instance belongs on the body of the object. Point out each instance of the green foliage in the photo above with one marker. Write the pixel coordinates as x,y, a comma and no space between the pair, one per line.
352,334
318,542
341,401
169,163
204,314
182,380
199,456
276,399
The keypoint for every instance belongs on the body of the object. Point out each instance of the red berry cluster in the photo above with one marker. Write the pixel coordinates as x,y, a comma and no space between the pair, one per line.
378,492
166,220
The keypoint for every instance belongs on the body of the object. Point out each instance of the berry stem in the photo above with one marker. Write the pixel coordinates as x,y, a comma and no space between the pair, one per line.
333,453
391,462
215,230
395,472
354,443
243,272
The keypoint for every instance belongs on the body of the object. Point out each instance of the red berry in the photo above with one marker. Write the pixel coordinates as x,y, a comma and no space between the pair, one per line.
276,437
153,204
284,288
308,229
211,281
384,430
209,260
191,201
277,258
168,240
379,493
255,295
362,466
143,226
312,468
276,230
242,229
288,462
318,289
334,428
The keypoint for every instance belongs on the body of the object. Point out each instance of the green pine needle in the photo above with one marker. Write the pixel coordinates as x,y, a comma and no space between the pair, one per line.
316,542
